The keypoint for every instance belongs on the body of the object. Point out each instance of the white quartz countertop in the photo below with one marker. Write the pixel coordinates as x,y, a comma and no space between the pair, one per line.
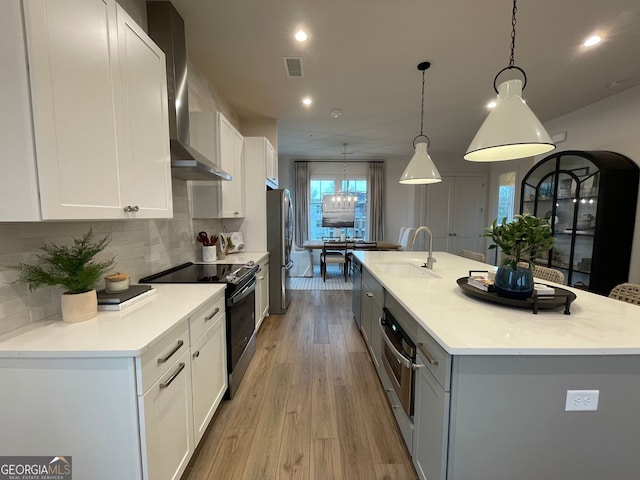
111,334
464,325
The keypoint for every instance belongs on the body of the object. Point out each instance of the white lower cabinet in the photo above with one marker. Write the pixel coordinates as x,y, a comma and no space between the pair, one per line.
167,422
142,415
208,373
262,292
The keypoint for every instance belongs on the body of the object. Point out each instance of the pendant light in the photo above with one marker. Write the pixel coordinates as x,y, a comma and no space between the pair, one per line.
344,198
421,168
511,130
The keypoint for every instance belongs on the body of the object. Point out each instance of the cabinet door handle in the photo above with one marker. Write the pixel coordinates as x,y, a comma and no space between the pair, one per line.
171,353
172,377
369,294
197,354
423,349
215,312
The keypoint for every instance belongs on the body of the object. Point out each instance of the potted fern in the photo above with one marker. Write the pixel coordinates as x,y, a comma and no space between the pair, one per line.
520,241
74,269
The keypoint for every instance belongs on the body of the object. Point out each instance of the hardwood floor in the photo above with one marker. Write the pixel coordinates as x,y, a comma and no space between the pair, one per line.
310,406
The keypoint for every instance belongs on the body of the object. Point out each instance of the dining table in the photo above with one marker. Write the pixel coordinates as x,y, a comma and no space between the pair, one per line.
352,244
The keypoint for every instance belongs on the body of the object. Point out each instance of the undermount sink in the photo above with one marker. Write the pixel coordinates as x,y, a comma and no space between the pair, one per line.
405,270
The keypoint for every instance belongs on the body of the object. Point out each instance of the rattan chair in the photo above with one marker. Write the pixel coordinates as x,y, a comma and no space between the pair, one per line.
626,292
472,255
549,274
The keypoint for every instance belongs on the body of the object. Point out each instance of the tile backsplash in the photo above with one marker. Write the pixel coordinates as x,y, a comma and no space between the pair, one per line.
140,247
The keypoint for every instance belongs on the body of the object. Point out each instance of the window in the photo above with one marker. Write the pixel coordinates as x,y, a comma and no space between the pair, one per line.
506,196
325,184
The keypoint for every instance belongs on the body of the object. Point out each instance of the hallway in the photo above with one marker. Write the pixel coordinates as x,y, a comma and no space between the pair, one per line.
309,407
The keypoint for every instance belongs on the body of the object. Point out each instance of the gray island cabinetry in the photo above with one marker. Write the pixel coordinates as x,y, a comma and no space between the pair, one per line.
501,393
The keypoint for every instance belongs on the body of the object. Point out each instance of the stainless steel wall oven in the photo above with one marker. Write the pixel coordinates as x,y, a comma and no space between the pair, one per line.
398,358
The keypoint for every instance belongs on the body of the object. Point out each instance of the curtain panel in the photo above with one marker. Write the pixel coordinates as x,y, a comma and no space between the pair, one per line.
375,213
301,202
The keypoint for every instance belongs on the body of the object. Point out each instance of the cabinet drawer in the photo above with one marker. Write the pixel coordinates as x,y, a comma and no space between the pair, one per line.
160,357
205,316
372,285
437,360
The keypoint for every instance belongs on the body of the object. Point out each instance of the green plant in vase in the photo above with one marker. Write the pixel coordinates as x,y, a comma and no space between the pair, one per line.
520,241
73,268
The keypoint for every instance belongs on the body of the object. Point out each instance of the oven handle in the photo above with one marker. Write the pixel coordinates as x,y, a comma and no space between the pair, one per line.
242,294
401,357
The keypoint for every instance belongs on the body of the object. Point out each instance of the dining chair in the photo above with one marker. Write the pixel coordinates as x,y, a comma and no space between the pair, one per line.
406,242
626,292
402,229
302,262
550,274
472,255
334,253
363,245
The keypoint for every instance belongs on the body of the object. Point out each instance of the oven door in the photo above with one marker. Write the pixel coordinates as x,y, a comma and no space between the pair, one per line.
398,358
241,321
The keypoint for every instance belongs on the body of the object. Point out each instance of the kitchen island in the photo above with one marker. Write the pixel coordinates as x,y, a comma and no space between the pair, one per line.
491,387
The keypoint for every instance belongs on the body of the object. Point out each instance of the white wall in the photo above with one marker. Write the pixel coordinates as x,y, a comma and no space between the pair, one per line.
140,247
611,124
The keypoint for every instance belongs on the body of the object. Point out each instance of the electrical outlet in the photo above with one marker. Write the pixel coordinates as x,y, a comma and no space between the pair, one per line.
582,400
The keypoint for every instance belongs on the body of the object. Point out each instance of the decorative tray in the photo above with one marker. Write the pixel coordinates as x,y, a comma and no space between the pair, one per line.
560,299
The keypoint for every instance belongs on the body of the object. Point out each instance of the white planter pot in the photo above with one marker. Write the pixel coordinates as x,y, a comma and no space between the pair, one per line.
77,307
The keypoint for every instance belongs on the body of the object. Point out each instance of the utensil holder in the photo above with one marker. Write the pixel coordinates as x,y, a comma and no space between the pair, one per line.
209,253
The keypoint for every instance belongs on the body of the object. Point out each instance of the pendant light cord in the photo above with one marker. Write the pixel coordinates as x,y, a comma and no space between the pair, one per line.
422,66
513,35
512,54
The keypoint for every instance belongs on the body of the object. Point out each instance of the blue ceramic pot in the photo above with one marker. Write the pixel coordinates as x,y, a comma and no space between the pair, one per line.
514,283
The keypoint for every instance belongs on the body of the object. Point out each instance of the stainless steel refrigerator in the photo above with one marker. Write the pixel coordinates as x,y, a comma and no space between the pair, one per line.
279,242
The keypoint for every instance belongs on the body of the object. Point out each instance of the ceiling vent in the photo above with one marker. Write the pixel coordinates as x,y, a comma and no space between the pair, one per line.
293,66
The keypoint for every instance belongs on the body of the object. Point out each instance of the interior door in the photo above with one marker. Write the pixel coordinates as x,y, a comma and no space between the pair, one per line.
455,214
440,212
468,214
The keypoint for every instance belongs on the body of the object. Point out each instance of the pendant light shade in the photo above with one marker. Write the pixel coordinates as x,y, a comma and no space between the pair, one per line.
421,168
510,131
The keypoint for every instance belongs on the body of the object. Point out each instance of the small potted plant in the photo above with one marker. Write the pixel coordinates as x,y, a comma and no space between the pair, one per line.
520,241
73,268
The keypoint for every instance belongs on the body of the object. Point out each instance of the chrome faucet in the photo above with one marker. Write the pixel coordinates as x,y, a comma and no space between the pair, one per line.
430,260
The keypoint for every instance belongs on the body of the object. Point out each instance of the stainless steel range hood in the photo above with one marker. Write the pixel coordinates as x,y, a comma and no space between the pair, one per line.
166,28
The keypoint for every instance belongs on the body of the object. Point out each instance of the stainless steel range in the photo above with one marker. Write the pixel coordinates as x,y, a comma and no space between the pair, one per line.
240,307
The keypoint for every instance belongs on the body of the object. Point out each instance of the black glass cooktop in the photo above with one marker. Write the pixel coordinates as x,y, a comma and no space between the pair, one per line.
229,273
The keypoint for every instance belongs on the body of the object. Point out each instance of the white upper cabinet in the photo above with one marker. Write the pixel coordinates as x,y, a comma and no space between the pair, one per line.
67,152
144,160
272,165
216,138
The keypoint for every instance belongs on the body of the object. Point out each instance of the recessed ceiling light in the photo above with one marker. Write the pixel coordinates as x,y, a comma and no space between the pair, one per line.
592,40
335,112
307,101
491,104
300,35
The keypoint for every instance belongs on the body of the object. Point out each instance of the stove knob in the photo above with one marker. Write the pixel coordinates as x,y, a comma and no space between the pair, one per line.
230,278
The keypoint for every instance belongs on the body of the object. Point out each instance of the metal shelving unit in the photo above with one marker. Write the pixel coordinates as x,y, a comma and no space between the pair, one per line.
590,199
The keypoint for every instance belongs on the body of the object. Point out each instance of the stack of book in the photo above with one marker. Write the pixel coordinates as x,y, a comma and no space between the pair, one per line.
481,282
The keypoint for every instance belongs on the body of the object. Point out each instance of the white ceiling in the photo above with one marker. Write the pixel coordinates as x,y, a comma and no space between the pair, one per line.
362,56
